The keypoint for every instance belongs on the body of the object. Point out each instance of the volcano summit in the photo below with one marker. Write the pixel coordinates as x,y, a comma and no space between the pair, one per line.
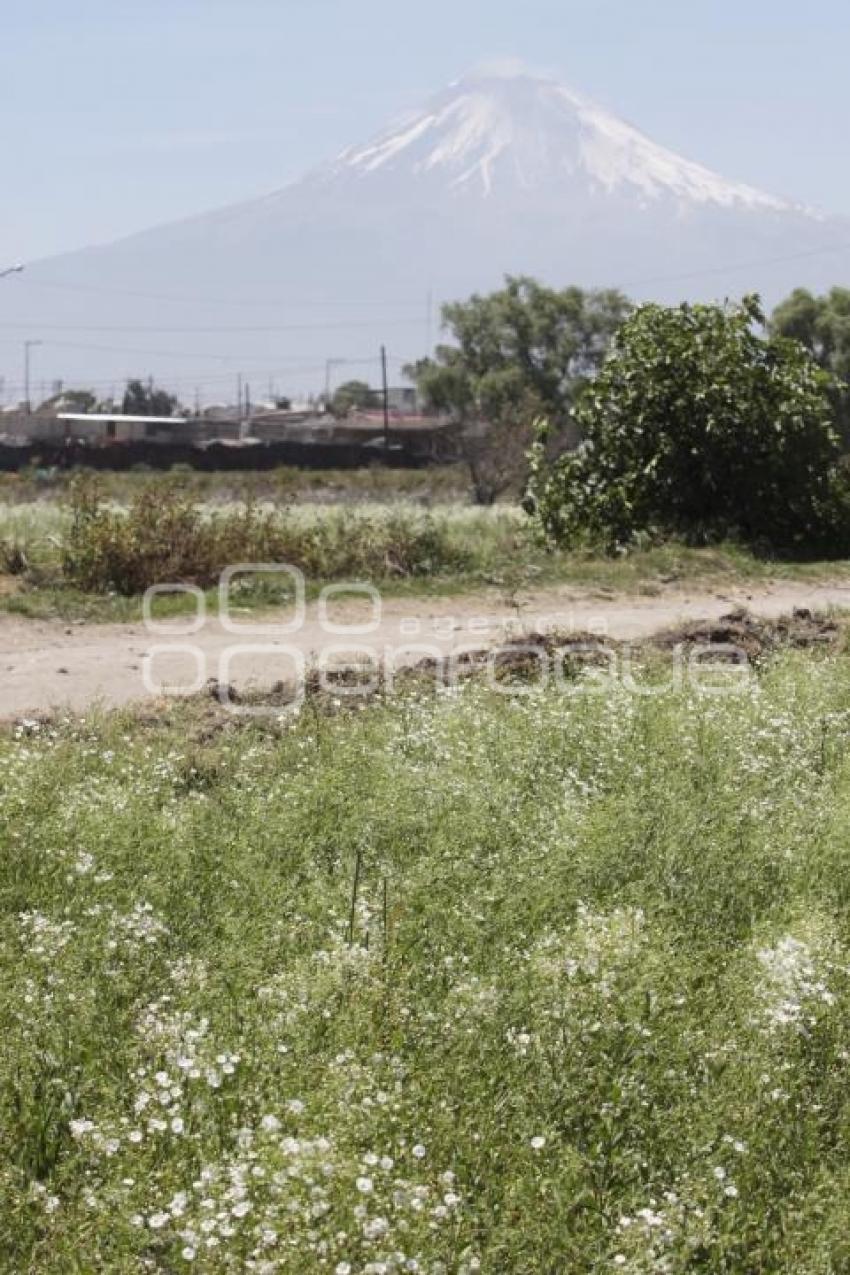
495,174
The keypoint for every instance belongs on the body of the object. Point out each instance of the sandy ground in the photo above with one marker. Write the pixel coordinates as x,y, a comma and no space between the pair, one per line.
53,665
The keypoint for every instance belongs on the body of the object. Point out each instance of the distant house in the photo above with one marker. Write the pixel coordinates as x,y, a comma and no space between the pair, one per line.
115,426
291,426
400,398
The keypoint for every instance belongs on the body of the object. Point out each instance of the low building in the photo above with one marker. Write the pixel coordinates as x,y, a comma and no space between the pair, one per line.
402,399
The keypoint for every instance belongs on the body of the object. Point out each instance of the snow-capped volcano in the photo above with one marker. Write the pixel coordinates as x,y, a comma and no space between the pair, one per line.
495,131
496,174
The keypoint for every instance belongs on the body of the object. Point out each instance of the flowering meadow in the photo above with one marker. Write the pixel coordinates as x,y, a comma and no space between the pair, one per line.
99,571
457,982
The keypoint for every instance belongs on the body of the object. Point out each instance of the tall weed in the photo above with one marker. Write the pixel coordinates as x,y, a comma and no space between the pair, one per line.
164,536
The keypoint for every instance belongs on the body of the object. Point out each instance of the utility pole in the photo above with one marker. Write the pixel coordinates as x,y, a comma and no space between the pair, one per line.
429,324
330,364
386,400
28,345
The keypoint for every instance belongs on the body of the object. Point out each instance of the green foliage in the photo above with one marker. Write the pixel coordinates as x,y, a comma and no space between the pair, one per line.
72,400
143,398
822,325
517,353
164,537
352,396
448,548
700,426
283,484
521,351
555,983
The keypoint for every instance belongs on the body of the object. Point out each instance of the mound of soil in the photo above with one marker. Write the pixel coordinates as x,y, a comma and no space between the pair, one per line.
756,637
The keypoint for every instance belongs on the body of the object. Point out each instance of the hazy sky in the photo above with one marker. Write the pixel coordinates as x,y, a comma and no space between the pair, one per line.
117,114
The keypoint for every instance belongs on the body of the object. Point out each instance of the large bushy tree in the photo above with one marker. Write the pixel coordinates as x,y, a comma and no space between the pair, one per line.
352,396
524,346
702,425
143,398
520,352
822,325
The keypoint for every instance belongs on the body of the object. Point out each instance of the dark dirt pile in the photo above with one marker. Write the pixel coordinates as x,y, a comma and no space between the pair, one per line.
756,637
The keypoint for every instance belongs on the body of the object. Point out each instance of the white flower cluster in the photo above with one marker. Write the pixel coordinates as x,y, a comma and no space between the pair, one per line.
793,980
135,929
646,1236
597,945
44,937
281,1198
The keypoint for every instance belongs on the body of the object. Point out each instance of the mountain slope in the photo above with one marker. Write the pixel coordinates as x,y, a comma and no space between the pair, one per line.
495,174
534,134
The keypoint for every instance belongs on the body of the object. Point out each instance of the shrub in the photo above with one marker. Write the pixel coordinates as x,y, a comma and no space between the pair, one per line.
161,538
164,536
700,426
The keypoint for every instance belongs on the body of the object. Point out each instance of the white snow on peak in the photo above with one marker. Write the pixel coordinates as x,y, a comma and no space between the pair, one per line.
368,158
494,128
614,153
474,132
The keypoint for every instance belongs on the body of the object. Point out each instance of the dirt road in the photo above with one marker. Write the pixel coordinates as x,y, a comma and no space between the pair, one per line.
53,665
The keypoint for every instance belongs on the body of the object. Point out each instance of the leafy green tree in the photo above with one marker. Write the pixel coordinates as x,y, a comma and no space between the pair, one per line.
525,348
822,325
80,400
352,396
71,401
143,398
700,425
523,351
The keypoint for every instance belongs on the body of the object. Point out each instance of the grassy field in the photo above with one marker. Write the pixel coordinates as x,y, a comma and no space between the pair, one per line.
435,484
461,982
404,547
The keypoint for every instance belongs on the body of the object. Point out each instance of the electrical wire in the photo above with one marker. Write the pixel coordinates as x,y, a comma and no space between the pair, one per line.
202,300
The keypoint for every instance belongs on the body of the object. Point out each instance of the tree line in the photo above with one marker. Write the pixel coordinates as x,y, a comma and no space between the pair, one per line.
627,421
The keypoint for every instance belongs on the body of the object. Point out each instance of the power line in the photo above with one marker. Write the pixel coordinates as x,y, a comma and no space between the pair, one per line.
731,269
158,329
203,379
141,352
299,303
302,303
199,378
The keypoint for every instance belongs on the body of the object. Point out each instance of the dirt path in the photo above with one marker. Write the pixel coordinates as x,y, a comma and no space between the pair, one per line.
51,665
